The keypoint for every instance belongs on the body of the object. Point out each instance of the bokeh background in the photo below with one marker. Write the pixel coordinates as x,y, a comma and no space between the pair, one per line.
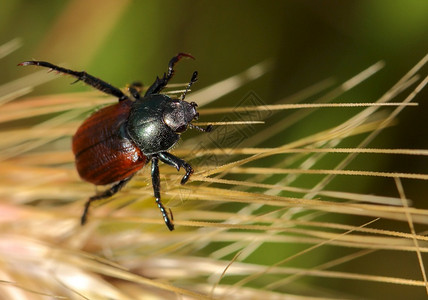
307,41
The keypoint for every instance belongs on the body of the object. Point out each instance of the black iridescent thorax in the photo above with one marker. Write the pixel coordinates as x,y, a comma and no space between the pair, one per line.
161,117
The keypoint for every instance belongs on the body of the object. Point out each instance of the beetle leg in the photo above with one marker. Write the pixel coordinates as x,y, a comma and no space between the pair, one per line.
160,83
176,162
81,76
135,90
156,190
108,193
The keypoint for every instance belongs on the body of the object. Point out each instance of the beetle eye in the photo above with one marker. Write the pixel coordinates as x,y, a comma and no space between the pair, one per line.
182,128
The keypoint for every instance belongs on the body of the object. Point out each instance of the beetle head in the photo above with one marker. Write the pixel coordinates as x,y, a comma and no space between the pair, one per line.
179,114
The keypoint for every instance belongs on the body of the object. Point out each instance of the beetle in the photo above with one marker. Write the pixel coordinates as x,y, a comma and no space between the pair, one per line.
115,142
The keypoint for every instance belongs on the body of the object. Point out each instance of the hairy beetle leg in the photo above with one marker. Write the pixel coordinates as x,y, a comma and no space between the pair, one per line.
160,83
156,191
177,163
135,89
108,193
80,76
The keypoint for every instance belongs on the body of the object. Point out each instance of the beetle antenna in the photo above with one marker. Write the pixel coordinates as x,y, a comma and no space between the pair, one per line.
209,128
192,81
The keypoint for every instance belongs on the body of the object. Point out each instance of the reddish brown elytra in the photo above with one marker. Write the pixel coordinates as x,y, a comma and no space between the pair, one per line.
117,156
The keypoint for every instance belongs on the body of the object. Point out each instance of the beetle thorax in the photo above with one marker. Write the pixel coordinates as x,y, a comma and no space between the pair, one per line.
156,121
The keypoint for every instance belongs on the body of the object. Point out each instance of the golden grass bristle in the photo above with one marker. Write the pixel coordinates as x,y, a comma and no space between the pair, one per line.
412,230
208,111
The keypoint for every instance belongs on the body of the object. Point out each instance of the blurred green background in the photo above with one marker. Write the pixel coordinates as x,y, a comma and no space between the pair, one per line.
308,41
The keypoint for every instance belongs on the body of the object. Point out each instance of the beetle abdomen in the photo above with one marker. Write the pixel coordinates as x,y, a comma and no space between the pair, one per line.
104,154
